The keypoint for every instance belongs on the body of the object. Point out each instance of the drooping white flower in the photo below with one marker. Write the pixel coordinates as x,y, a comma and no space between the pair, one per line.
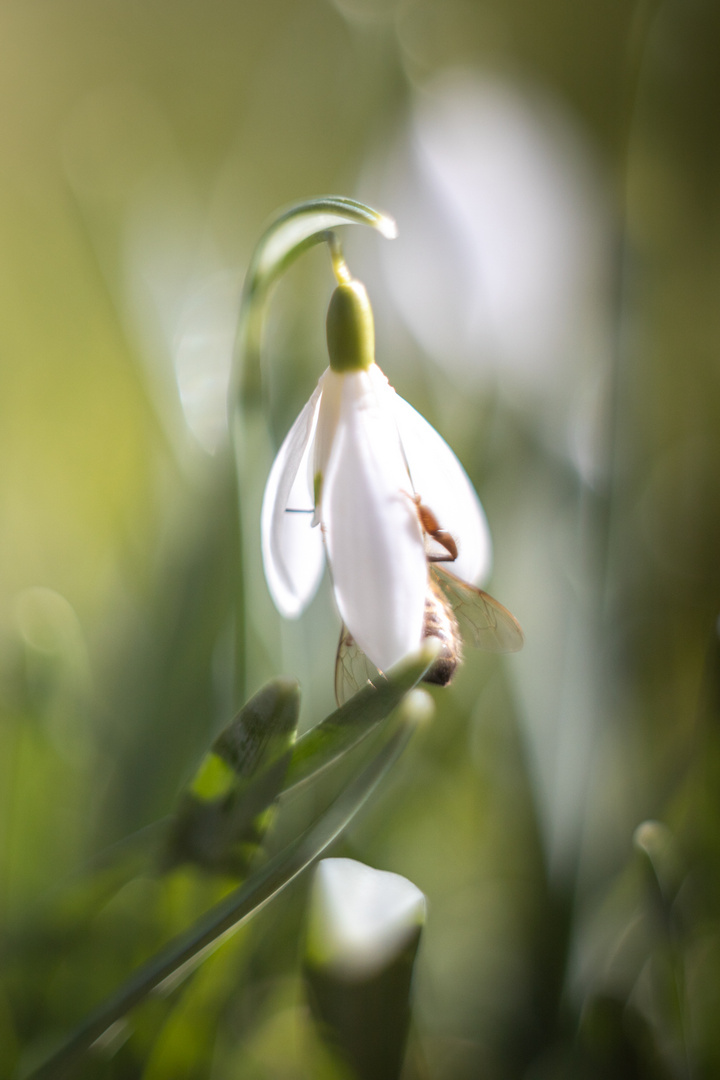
344,485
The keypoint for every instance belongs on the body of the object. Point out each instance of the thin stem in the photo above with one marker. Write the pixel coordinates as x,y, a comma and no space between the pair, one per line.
340,267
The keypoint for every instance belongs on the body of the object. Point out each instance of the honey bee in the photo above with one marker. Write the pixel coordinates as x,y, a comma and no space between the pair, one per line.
454,612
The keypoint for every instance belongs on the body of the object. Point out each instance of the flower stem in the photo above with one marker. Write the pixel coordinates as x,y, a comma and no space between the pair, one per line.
340,267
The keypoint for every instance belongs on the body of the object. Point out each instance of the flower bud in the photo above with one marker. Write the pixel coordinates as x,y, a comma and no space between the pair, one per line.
363,935
350,329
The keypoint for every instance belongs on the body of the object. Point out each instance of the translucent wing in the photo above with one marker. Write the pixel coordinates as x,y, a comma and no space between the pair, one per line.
352,668
483,621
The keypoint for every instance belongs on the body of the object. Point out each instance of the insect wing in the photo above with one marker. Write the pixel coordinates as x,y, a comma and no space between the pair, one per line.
483,621
352,668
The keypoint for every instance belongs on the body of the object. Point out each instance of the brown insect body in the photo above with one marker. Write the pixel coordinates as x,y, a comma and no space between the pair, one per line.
454,610
440,622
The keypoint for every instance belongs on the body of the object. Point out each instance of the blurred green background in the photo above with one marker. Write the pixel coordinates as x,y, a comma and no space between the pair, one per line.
551,306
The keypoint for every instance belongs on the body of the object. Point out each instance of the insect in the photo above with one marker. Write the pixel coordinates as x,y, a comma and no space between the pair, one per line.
431,527
454,612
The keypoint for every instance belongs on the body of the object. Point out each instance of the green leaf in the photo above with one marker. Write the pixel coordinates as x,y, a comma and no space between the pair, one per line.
349,725
222,817
185,952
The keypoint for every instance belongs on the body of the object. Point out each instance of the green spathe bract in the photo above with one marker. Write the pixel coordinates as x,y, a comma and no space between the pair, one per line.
350,329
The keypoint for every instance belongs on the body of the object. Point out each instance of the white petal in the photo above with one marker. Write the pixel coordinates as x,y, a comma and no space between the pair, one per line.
332,385
443,485
372,533
361,918
292,549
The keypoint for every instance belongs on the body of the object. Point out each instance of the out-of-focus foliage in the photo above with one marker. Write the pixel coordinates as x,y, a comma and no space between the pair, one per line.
551,306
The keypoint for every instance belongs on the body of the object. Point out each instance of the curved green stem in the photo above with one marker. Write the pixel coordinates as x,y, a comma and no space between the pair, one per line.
290,234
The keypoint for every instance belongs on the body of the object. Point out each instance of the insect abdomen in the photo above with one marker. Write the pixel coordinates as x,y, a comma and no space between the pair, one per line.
440,623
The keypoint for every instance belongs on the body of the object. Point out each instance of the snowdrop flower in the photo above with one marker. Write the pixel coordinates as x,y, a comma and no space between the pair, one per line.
346,484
